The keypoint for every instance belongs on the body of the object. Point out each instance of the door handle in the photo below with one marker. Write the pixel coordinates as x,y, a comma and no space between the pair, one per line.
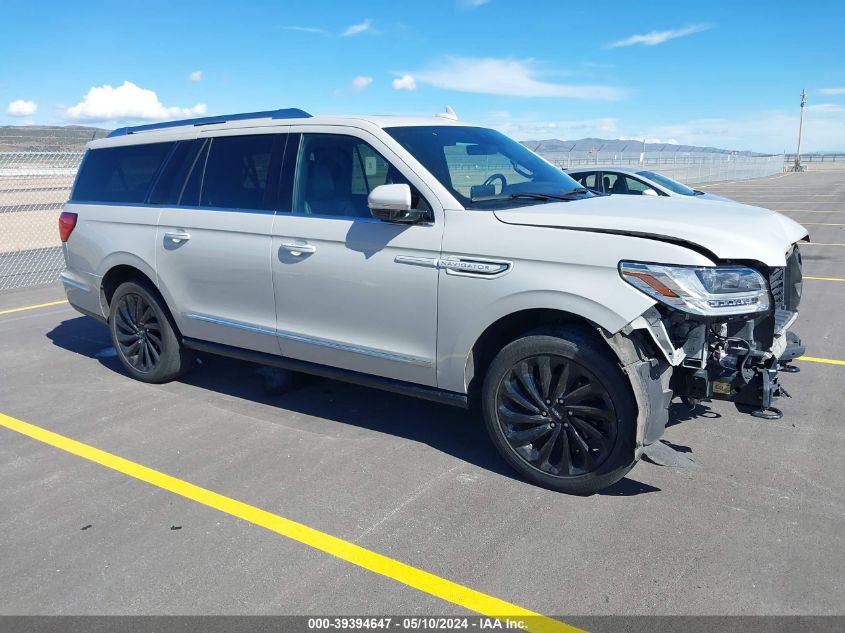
177,236
298,248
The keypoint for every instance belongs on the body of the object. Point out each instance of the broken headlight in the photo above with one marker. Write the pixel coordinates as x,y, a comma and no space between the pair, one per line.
703,290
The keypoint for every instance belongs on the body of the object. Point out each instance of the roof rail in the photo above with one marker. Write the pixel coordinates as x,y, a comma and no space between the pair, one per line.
287,113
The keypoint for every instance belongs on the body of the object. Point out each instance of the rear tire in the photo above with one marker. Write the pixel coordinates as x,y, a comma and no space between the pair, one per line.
144,334
560,411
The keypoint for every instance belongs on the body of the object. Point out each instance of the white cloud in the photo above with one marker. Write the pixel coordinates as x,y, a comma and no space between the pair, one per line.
195,76
127,102
832,91
357,29
306,29
512,77
405,82
21,107
361,82
472,4
658,37
527,128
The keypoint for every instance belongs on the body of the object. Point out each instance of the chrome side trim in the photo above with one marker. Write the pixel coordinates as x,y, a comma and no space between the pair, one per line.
401,358
226,322
343,347
427,262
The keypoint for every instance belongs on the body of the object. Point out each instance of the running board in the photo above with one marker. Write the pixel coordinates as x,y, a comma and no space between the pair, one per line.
346,375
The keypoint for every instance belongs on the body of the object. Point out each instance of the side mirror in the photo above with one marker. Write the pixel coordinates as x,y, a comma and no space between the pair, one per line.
392,203
650,192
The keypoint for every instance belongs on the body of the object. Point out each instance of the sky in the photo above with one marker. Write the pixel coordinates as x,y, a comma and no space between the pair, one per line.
725,74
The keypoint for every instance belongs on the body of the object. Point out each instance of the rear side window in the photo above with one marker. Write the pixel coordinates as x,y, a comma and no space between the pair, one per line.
588,179
119,174
237,172
171,182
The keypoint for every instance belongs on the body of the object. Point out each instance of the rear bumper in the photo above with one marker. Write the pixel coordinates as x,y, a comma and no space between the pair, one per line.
83,293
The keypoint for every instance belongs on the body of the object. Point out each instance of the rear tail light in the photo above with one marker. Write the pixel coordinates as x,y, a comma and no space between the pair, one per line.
67,222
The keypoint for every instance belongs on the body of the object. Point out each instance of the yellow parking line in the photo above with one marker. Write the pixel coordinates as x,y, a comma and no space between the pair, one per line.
824,278
37,305
400,572
828,361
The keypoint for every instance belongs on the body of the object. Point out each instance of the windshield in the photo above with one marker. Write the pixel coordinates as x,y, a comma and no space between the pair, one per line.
485,169
672,185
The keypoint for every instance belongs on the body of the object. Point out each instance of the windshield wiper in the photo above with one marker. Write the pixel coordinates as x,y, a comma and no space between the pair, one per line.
566,195
696,192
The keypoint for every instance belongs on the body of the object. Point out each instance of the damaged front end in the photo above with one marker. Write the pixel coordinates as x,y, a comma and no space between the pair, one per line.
724,330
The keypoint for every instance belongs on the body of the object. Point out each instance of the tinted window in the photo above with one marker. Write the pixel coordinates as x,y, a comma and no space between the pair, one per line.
588,179
120,174
171,181
336,173
635,186
622,184
190,192
237,172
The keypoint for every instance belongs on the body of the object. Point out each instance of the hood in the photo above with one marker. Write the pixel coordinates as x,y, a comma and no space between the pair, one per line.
713,196
728,230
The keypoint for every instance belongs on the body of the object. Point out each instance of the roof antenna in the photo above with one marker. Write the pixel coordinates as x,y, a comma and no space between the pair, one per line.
448,114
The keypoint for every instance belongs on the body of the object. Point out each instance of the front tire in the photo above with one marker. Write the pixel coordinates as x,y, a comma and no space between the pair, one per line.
144,335
560,411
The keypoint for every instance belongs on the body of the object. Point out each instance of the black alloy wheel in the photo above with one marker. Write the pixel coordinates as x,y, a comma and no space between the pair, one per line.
145,335
556,415
138,332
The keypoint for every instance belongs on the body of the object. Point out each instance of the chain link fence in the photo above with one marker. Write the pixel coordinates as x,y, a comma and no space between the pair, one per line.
687,167
35,184
33,188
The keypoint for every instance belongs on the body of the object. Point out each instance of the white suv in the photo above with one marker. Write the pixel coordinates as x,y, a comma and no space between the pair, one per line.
436,259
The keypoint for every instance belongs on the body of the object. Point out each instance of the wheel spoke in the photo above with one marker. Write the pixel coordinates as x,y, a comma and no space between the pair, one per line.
579,393
528,436
124,318
509,416
593,412
564,464
136,302
154,339
588,429
562,382
546,449
513,394
126,339
526,379
132,350
544,366
152,352
583,448
145,355
148,312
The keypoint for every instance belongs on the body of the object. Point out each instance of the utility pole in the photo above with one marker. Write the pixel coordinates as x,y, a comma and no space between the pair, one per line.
797,165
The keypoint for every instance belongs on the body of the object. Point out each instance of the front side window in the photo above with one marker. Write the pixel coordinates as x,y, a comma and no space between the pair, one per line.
484,169
336,173
119,174
237,172
671,185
